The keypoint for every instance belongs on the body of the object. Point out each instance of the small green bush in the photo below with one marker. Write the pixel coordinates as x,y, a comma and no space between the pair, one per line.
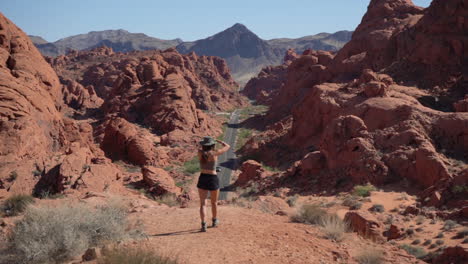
13,176
462,233
449,225
352,202
415,251
192,166
16,204
370,256
410,231
126,255
291,200
310,214
363,190
377,208
420,219
427,242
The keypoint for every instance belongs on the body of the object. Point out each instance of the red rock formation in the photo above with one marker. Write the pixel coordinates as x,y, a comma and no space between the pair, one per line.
159,181
371,39
250,170
371,128
365,225
455,254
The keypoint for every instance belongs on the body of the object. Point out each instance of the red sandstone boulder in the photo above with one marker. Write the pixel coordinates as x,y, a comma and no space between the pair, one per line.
462,105
123,140
365,224
159,181
454,254
250,170
393,232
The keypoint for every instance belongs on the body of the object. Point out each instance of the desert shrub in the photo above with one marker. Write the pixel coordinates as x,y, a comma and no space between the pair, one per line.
56,234
370,256
419,229
432,246
377,208
415,251
410,231
465,241
192,166
167,199
416,242
449,225
439,242
363,190
291,200
12,176
462,233
352,202
333,227
16,204
420,219
121,255
427,242
310,214
440,235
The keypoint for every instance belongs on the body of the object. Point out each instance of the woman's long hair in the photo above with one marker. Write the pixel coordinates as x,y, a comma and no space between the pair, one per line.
206,150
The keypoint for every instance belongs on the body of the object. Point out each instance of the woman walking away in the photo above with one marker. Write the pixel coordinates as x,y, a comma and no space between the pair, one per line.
208,180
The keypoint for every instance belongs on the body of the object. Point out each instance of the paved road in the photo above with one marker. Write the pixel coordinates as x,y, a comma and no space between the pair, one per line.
228,160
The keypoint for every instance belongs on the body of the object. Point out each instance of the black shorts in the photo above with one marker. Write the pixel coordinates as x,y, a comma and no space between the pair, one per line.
208,182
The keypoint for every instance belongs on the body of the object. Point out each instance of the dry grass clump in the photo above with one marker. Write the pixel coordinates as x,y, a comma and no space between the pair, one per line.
449,225
168,199
16,204
333,227
378,208
352,202
291,200
415,251
121,255
54,235
310,214
370,256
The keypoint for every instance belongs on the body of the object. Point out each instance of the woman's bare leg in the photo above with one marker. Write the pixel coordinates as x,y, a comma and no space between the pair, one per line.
214,203
203,194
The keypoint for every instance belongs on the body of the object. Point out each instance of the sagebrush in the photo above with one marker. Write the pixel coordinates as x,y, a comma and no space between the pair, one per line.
120,255
56,234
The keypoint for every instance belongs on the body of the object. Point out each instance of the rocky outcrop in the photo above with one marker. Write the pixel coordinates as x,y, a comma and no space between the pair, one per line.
159,181
365,225
357,112
455,254
250,170
372,38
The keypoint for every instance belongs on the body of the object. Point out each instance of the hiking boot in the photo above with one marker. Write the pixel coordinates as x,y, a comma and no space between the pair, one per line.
203,227
215,222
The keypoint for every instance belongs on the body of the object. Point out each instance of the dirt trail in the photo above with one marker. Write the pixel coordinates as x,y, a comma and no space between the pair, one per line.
245,236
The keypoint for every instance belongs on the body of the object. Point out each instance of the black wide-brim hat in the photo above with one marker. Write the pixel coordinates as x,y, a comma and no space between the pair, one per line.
207,141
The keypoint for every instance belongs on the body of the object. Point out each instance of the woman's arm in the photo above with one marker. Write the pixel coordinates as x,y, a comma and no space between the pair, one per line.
223,149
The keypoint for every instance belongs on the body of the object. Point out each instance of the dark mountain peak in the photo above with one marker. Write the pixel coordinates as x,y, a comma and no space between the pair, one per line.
239,28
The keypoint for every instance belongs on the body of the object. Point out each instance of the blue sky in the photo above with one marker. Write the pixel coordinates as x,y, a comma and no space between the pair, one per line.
185,19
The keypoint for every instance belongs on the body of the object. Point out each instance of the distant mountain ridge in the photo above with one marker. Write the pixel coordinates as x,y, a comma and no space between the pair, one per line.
119,40
245,53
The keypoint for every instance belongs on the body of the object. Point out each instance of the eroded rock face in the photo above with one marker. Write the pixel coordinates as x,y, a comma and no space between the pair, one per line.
371,39
250,170
398,136
159,181
365,225
29,98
